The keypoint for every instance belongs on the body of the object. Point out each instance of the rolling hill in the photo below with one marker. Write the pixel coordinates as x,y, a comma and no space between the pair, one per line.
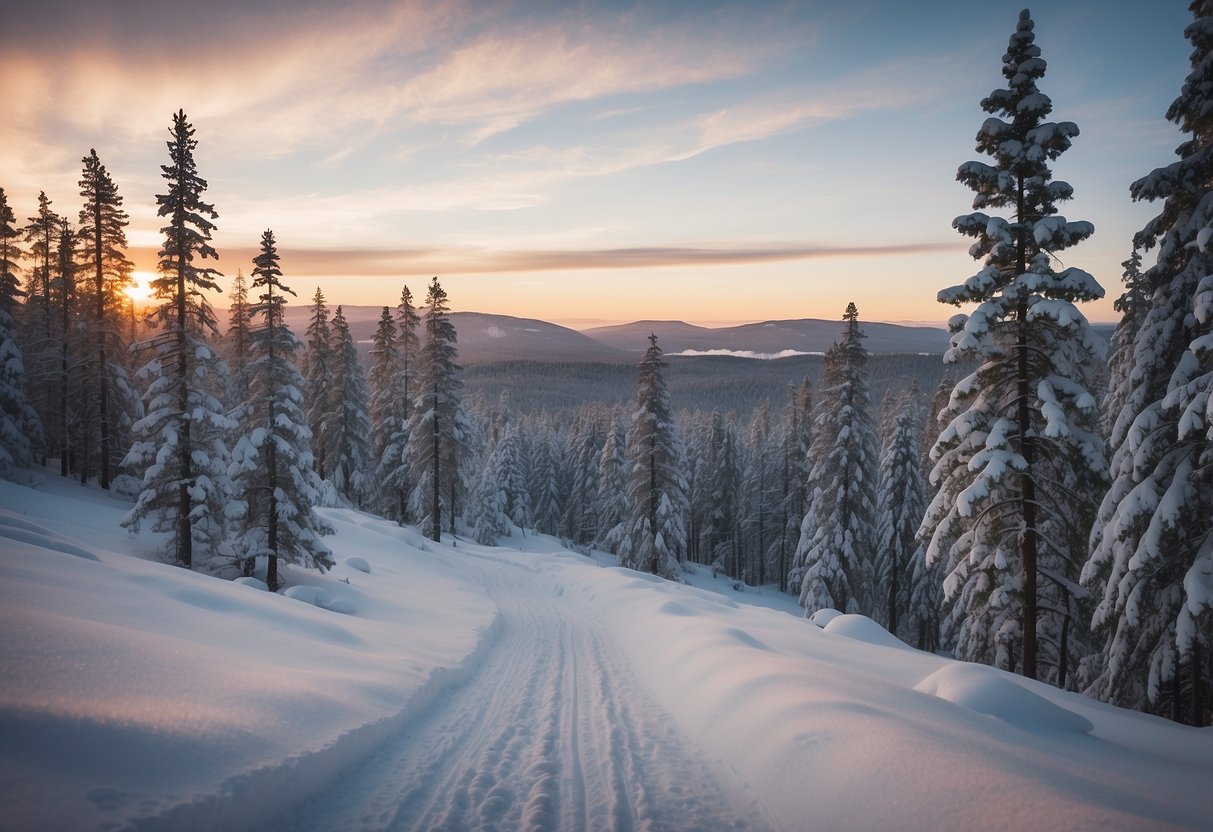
808,335
487,338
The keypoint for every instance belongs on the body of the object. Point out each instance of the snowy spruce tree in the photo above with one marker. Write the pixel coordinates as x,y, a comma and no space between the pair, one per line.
437,426
1019,460
835,553
179,443
761,495
1132,305
655,537
612,486
1151,560
488,514
11,254
581,507
900,504
20,428
795,472
109,403
385,404
347,423
394,475
271,467
67,381
720,530
238,343
39,336
318,379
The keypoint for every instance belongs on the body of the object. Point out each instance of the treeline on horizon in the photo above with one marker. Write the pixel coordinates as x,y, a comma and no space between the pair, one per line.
1043,510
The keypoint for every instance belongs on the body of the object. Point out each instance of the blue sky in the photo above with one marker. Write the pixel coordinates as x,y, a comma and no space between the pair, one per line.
594,161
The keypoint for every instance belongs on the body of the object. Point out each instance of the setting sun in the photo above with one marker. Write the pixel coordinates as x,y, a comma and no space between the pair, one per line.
141,290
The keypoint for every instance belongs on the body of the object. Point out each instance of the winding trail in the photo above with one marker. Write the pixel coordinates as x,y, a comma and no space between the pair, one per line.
551,731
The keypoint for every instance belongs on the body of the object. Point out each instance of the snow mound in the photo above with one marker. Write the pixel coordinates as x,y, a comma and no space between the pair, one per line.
823,617
255,583
860,628
322,598
990,691
358,563
24,531
313,595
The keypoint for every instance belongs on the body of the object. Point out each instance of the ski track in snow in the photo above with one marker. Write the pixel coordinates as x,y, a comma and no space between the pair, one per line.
519,745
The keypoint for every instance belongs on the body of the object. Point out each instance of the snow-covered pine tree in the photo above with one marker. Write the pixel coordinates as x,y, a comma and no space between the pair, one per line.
720,532
1150,561
347,421
271,467
110,397
795,474
836,537
68,383
408,326
20,429
179,443
11,292
38,335
613,486
656,526
581,509
394,475
238,344
900,504
318,380
760,498
383,380
488,509
437,426
1021,431
1132,305
926,584
546,482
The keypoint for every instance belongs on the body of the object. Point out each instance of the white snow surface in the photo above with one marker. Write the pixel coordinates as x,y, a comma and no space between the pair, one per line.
423,686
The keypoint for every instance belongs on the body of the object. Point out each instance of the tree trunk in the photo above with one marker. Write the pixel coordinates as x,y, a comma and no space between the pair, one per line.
1027,482
436,508
1198,697
1063,660
102,362
185,537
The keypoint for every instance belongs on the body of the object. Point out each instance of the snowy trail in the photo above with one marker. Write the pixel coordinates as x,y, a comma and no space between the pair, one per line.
551,732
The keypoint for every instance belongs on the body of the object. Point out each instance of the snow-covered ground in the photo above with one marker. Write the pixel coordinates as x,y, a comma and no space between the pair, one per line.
421,686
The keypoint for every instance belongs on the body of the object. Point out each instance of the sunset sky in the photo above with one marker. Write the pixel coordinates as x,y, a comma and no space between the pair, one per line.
596,161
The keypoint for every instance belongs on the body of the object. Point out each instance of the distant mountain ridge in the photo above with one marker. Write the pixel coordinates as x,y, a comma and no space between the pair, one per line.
488,338
809,335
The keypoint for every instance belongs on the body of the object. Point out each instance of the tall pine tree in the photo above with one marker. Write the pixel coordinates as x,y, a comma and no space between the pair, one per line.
347,421
272,462
437,426
11,292
835,553
1151,561
1022,425
179,443
655,540
318,379
900,504
103,243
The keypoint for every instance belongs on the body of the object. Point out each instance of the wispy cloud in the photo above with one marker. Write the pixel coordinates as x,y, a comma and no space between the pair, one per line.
406,261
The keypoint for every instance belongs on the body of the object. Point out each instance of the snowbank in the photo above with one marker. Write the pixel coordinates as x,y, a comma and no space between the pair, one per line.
137,692
847,728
